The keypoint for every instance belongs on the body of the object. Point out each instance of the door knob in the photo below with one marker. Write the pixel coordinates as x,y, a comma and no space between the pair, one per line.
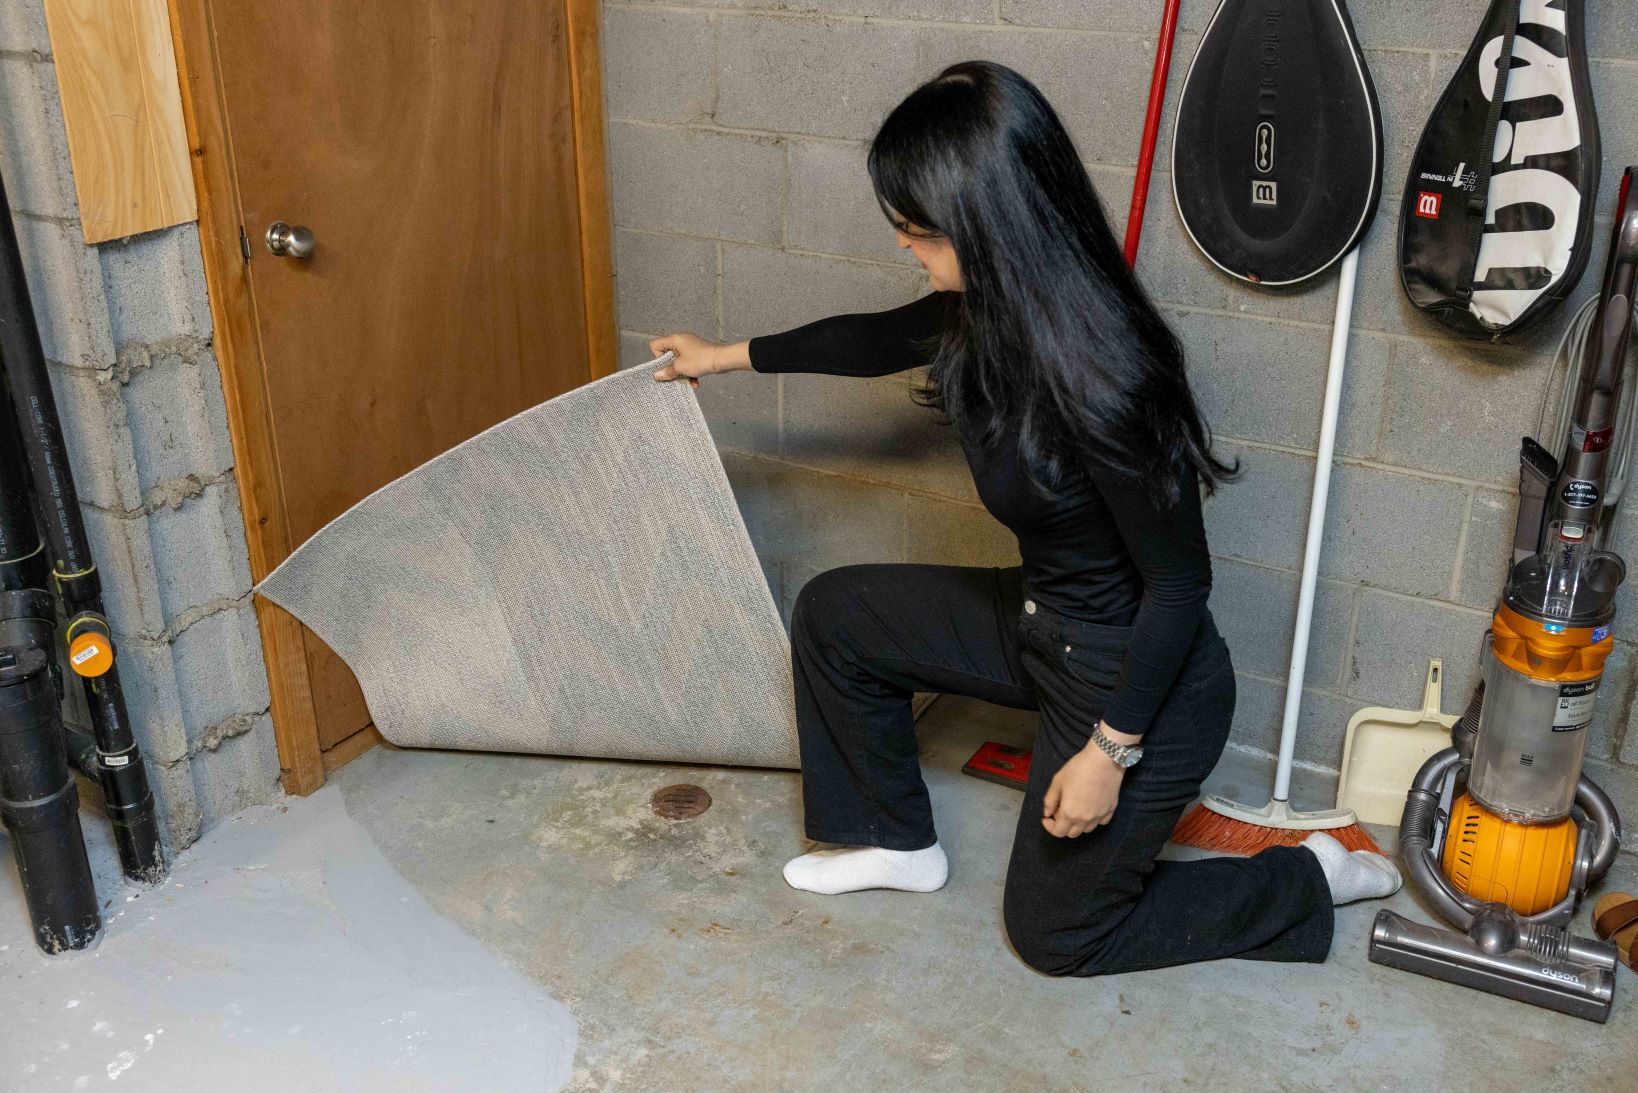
290,240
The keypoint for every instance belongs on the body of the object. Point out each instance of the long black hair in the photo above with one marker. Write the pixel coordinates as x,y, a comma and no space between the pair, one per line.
1054,336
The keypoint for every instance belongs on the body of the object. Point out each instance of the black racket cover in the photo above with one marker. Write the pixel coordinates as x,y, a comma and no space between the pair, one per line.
1277,152
1497,221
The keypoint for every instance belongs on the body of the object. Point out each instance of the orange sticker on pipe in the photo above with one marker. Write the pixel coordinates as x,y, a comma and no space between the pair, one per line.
91,654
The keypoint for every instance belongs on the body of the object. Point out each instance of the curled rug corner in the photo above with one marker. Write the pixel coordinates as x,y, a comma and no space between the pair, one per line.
576,580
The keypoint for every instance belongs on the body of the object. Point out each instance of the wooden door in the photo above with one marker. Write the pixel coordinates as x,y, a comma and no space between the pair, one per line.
437,152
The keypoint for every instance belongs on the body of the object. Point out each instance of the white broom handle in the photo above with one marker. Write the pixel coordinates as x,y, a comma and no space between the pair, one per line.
1316,523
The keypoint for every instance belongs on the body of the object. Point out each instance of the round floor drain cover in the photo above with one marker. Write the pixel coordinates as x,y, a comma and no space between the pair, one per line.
680,802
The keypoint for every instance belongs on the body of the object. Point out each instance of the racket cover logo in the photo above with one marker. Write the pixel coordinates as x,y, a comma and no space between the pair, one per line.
1264,153
1427,205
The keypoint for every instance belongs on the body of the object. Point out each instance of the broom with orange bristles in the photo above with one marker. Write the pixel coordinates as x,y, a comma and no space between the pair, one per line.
1228,826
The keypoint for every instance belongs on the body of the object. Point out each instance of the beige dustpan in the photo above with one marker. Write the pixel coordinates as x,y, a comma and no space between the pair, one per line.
1385,748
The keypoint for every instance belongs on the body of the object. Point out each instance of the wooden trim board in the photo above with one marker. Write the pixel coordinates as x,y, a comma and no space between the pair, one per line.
117,79
351,748
239,352
596,210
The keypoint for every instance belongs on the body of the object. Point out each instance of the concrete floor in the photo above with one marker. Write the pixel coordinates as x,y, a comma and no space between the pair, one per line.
691,966
282,953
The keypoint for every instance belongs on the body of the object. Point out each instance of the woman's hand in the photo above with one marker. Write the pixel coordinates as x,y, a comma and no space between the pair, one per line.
1083,793
697,357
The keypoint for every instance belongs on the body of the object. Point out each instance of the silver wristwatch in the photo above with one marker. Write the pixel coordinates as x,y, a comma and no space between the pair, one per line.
1125,756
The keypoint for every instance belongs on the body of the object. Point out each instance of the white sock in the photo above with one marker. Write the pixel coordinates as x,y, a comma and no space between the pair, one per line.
853,869
1357,875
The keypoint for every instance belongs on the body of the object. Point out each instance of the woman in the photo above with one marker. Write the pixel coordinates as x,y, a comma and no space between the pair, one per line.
1069,396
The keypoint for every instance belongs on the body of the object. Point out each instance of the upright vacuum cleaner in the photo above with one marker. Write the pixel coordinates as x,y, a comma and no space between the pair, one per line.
1502,831
42,539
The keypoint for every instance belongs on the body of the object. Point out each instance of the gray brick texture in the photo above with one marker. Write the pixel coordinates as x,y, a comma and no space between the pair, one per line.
34,146
127,334
755,145
23,29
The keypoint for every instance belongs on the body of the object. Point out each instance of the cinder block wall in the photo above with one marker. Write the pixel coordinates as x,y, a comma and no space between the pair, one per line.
737,133
127,332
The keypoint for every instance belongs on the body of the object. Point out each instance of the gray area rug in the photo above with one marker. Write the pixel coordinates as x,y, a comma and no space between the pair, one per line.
574,581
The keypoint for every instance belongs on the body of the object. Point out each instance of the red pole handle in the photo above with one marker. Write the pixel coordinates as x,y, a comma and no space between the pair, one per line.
1151,130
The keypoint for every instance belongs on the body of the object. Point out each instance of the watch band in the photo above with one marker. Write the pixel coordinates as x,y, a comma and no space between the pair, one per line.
1125,756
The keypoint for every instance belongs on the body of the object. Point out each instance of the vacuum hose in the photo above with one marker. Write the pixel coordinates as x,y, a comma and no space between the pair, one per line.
1466,729
129,801
1591,799
1416,841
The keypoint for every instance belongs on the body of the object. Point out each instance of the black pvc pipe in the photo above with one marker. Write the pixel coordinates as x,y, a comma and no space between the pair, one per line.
35,408
28,613
124,781
40,806
82,751
28,620
22,555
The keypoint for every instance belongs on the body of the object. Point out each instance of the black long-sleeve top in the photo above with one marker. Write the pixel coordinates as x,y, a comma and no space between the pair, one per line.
1106,549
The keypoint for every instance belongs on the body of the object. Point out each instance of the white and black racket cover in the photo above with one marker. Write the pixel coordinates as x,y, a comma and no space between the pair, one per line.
1277,153
1497,221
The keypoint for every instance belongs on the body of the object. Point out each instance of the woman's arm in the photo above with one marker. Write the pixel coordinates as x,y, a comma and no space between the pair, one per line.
1168,546
875,343
869,344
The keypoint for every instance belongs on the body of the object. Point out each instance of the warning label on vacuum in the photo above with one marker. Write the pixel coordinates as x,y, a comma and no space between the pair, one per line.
1575,705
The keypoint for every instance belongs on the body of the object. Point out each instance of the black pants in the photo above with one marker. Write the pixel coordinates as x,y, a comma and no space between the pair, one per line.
865,638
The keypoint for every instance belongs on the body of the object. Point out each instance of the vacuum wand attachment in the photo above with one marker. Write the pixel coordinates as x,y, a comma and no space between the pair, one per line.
1576,502
1538,470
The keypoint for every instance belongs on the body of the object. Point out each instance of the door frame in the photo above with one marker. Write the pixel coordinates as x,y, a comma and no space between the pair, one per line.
239,351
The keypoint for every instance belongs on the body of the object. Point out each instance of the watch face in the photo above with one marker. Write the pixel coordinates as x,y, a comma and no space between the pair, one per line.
1130,759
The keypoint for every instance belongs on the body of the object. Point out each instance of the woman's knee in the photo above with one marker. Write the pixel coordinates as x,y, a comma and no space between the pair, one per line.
1077,950
1027,930
1034,946
823,604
